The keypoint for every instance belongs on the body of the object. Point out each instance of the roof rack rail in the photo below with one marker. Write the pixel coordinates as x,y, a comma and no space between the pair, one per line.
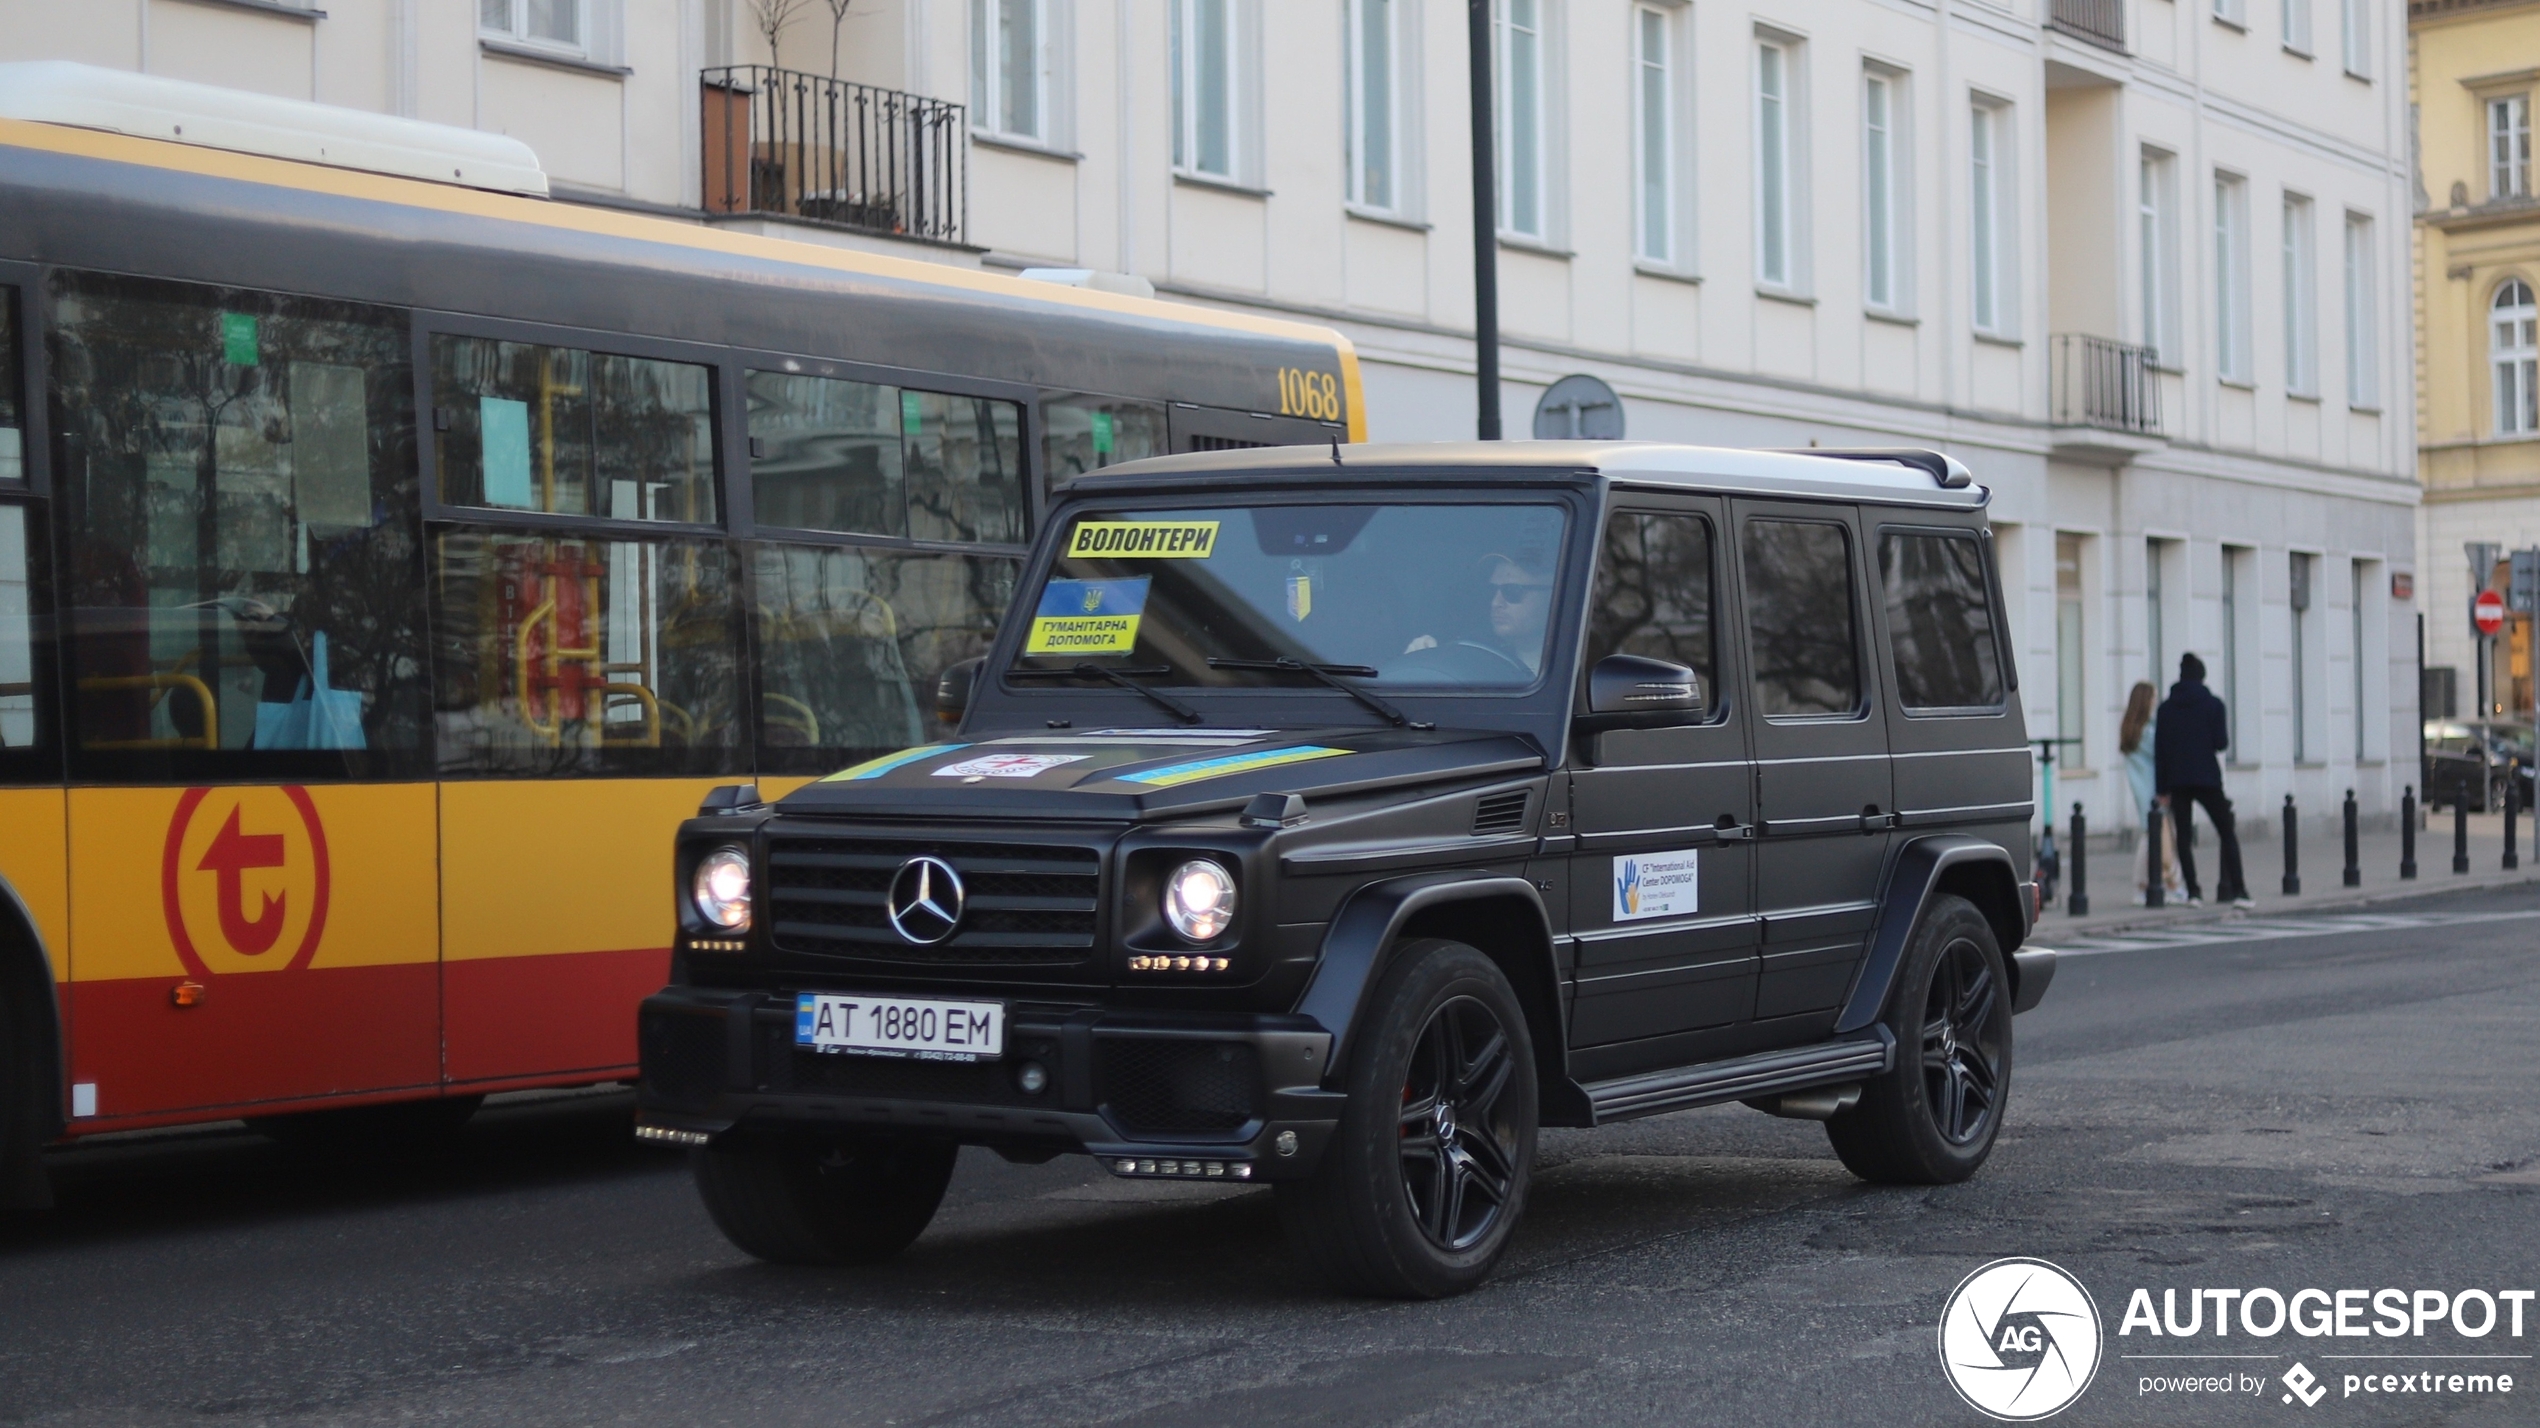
1947,472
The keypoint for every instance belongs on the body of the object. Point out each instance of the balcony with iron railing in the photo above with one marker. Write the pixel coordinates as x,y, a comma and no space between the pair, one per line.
2101,22
2105,396
783,144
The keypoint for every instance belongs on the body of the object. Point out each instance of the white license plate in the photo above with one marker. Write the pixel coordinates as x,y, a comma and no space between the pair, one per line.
900,1026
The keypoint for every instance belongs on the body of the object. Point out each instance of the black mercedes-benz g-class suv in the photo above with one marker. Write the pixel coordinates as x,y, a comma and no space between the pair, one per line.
1335,817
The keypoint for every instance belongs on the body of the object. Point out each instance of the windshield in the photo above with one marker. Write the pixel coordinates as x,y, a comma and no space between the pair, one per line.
2514,740
1401,596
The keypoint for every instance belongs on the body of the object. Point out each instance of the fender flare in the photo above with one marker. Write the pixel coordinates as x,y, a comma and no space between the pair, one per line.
1911,881
1358,944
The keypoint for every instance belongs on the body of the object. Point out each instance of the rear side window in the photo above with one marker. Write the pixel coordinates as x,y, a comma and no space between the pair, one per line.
528,427
1653,593
1802,641
862,458
1939,621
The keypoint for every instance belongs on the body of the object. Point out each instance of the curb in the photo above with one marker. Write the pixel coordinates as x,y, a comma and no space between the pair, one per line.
2340,898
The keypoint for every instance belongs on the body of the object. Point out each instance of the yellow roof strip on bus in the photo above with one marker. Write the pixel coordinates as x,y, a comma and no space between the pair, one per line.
452,198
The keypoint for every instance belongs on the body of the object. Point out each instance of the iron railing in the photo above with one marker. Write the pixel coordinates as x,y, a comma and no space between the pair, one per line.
2111,385
2102,22
781,142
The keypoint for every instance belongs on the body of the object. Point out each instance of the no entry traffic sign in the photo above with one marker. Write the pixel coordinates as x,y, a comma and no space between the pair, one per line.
2487,612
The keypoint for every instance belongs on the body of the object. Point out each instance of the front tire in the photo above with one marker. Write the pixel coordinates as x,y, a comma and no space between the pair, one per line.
1426,1176
1933,1118
857,1201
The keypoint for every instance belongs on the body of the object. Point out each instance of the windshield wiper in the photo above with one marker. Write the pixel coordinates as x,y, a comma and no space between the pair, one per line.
1328,674
1091,670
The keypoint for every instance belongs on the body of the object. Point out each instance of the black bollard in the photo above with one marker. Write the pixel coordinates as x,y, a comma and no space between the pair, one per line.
2354,876
2079,903
2513,814
2408,832
2156,888
2292,852
2460,834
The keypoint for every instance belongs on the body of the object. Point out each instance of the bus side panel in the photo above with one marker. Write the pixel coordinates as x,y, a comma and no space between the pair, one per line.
302,919
557,900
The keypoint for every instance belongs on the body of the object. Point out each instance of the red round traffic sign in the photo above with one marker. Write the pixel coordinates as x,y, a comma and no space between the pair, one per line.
2487,612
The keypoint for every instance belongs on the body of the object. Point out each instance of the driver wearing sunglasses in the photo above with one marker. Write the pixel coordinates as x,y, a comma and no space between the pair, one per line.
1519,593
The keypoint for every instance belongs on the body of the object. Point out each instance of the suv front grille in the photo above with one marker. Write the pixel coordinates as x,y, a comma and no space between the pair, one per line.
1024,902
1152,1084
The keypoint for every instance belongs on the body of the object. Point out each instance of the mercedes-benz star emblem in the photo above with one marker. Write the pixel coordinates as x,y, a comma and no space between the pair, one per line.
925,901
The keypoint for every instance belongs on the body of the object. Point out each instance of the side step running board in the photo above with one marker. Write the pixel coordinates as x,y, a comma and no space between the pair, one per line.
1743,1078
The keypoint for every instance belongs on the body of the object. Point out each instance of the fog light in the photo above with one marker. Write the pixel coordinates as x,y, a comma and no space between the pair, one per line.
1286,1143
1033,1077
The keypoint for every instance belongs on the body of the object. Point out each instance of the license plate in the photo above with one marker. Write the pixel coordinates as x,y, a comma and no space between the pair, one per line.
900,1026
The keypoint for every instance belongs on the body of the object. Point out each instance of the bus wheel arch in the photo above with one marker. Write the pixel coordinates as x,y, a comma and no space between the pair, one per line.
30,1058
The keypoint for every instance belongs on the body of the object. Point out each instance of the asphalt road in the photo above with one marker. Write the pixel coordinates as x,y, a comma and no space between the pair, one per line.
2351,1110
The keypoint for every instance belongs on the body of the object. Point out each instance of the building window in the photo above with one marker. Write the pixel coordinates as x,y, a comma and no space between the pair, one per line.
2355,614
1984,219
1654,77
548,24
2298,597
2301,313
2233,557
2231,278
1010,68
2513,350
2154,653
1375,178
2071,689
2354,26
1773,169
2297,27
2509,147
1521,117
2363,349
1879,190
2157,244
1204,75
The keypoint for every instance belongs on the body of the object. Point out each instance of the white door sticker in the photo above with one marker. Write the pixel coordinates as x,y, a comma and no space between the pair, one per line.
1656,885
1008,765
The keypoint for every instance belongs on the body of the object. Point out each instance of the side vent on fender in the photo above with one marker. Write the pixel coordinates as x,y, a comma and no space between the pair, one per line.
1501,813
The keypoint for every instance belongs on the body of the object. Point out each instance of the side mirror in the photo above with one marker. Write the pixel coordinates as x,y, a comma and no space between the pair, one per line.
1634,692
952,691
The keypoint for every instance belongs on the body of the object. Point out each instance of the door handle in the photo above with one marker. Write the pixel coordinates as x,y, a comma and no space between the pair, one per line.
1873,821
1728,830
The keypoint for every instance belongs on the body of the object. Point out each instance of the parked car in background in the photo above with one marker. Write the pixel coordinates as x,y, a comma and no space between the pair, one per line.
2469,763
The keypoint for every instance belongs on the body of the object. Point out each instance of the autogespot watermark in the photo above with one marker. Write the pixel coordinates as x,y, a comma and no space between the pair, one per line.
2020,1340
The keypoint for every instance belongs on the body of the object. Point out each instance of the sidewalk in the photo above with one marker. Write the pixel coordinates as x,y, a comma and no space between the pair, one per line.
2323,859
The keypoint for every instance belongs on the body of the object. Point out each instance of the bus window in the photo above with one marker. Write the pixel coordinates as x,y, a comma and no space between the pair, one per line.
12,418
242,533
1081,433
861,458
17,633
850,643
534,428
572,654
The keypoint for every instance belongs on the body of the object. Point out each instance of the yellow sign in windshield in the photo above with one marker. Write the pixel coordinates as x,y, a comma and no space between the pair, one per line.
1144,540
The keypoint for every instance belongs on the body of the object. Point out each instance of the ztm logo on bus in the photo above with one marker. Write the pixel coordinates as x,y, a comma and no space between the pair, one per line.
244,879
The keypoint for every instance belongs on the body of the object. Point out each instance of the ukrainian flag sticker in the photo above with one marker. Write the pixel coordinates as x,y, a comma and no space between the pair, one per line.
1087,617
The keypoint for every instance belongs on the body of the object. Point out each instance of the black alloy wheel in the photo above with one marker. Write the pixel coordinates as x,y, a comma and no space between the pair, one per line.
1963,1056
1932,1118
1458,1140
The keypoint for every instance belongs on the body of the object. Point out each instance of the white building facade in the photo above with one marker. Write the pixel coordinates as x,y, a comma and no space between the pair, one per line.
2142,264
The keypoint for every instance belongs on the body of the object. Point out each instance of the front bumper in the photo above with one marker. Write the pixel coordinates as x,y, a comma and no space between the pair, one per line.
1147,1093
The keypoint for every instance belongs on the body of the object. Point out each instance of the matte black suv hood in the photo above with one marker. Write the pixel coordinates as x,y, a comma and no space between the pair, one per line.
1132,775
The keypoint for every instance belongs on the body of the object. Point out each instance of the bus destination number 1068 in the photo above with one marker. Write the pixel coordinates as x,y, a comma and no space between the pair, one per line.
1309,394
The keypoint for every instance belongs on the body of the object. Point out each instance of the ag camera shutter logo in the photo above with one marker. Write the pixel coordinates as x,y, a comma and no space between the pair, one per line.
2019,1340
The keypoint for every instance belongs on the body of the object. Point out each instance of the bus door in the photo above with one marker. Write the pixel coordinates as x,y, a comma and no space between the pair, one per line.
252,828
34,887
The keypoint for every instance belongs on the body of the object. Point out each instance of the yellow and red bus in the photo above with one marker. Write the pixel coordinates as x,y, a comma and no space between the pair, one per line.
386,566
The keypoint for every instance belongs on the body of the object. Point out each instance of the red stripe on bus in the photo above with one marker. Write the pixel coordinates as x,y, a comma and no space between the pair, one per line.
514,1017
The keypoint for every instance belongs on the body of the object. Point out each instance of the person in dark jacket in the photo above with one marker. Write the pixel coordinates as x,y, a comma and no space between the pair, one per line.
2189,731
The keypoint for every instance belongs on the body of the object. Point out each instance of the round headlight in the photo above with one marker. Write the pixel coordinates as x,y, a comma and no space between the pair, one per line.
722,888
1199,899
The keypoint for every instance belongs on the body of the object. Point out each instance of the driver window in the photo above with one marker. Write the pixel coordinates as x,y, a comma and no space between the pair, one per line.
1654,595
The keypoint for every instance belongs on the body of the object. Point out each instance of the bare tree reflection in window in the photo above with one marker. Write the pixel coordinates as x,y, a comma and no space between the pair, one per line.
1802,639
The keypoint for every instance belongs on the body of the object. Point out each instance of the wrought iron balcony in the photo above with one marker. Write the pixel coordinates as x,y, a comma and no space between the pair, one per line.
2104,384
2102,22
792,145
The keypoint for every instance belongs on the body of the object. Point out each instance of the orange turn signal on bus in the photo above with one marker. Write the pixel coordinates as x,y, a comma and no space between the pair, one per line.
187,994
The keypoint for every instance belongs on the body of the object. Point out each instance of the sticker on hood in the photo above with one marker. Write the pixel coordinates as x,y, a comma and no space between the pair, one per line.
1175,775
875,768
1008,765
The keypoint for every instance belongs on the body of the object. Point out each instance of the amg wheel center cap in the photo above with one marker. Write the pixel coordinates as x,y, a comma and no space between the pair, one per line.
1949,1041
1445,1120
925,900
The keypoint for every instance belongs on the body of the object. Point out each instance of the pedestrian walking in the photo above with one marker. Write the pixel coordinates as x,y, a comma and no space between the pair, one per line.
2193,729
2135,734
